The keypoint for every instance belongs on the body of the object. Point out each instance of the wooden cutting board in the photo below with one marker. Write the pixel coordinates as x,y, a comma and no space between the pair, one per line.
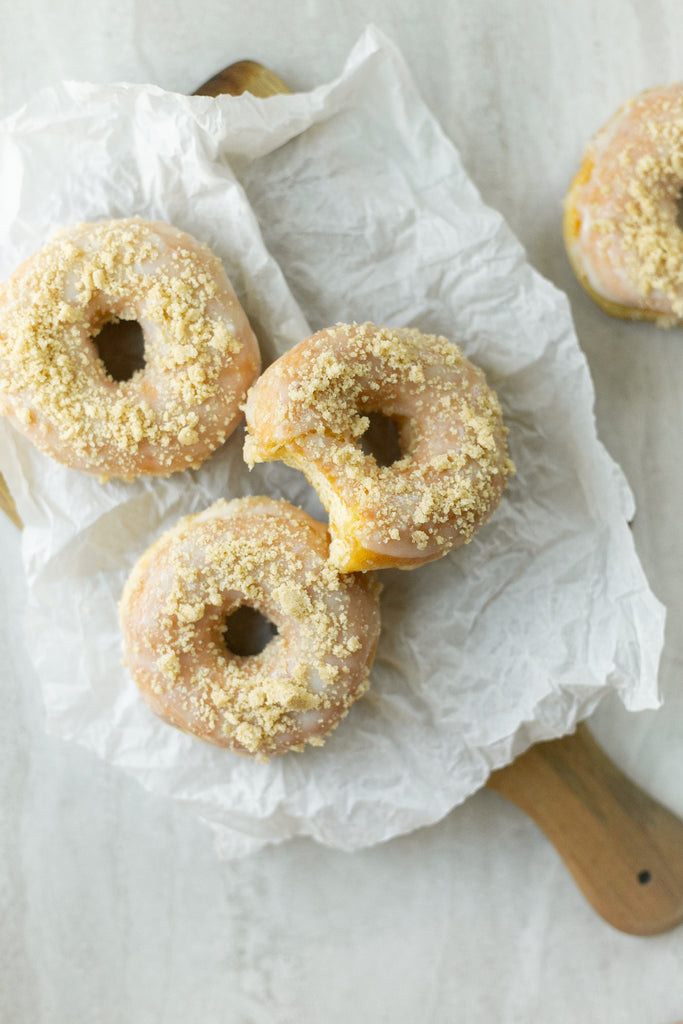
624,850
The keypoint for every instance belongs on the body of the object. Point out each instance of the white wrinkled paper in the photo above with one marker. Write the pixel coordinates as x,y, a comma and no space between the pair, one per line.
346,203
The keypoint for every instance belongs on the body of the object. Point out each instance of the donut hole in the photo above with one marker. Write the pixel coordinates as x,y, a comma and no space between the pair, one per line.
121,347
247,631
382,439
678,209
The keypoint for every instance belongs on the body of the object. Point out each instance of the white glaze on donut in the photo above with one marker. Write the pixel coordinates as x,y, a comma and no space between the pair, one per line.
201,354
310,408
271,556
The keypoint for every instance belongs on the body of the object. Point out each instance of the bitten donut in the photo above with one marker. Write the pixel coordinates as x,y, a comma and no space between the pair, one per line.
310,409
267,555
200,352
620,215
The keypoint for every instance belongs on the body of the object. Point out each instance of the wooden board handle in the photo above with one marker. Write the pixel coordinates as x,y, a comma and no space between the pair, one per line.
7,503
623,848
244,76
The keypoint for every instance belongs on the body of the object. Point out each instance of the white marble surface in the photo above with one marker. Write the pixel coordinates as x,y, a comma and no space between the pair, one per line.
113,906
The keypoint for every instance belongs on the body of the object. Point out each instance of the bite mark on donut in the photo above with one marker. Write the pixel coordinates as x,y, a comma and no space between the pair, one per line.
308,410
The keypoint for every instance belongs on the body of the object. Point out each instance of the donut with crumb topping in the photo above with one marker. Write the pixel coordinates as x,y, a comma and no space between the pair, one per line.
621,225
200,352
266,555
311,408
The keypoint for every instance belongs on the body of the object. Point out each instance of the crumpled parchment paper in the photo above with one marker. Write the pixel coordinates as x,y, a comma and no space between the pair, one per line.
346,203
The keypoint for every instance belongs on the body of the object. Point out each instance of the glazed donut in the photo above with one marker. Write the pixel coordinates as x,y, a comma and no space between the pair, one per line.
201,354
267,555
620,214
310,409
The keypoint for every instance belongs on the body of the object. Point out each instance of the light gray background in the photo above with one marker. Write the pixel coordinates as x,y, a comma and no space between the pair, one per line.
113,906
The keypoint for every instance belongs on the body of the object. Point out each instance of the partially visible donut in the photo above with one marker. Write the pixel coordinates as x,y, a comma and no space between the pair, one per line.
267,555
200,352
310,409
621,212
